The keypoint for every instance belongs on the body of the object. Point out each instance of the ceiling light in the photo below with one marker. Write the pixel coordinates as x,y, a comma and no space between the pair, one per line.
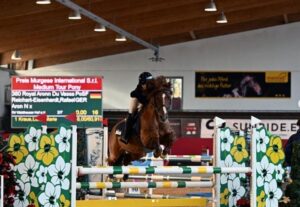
74,15
120,38
16,55
99,28
222,19
43,2
211,6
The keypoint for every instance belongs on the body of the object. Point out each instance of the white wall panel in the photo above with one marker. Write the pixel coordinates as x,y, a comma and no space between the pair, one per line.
274,48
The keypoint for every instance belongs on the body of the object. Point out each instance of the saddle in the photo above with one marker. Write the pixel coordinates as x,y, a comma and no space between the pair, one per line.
120,129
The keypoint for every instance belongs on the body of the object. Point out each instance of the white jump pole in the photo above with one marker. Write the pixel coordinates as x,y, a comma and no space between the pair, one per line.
254,121
74,165
167,184
216,161
161,170
2,191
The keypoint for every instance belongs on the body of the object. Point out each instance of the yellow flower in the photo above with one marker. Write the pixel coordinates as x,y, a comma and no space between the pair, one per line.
275,152
238,151
17,147
224,197
47,151
261,201
33,197
63,201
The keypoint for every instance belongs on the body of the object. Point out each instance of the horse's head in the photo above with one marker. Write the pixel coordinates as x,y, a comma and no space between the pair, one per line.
160,97
250,86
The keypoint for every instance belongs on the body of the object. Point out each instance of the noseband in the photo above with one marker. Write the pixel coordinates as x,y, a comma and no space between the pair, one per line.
158,107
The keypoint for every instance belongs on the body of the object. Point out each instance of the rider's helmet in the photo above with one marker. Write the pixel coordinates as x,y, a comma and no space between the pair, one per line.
143,77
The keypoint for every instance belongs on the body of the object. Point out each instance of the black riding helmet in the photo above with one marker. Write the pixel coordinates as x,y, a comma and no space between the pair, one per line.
144,77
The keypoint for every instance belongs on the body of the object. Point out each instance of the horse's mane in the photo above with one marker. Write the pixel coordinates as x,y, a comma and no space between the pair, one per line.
160,83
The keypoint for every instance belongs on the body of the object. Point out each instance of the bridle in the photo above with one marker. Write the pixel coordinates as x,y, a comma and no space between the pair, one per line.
161,107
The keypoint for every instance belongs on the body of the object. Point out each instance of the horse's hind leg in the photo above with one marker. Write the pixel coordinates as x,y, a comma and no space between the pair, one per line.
115,151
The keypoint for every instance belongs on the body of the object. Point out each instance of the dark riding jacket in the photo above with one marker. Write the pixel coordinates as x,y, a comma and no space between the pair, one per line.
139,93
289,147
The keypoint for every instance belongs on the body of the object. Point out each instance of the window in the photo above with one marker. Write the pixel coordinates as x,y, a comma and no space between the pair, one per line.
177,89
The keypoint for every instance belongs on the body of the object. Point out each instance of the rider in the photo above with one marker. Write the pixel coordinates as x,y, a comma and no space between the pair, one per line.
137,98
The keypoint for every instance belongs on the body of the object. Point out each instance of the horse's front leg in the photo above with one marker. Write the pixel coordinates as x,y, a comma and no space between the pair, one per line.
167,141
158,151
150,140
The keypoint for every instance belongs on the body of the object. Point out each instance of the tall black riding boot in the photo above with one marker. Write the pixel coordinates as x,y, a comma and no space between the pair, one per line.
128,129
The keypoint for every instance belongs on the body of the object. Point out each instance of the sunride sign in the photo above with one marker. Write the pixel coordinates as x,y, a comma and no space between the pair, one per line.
283,127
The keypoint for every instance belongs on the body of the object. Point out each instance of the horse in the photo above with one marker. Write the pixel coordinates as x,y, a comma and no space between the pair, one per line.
248,87
155,129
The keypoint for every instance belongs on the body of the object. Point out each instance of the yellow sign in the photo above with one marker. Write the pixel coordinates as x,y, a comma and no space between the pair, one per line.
277,77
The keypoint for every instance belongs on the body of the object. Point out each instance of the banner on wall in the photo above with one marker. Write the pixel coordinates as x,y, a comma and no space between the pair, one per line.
283,128
243,84
190,127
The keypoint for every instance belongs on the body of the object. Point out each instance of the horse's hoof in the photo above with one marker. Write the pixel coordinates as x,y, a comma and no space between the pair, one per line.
163,155
125,177
110,178
157,154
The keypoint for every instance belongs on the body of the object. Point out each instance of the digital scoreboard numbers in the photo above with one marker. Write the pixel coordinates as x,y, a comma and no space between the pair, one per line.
76,100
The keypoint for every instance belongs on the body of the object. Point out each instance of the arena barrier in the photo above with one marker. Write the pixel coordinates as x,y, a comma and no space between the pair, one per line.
233,169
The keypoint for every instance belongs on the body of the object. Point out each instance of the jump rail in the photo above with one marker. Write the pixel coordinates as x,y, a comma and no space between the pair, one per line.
114,185
162,170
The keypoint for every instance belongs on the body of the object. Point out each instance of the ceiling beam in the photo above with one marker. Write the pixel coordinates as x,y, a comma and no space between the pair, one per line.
93,53
84,29
168,29
109,25
19,28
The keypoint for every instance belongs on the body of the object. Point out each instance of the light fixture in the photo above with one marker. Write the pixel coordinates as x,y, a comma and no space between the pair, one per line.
222,19
74,15
43,2
16,55
211,7
120,38
299,103
99,28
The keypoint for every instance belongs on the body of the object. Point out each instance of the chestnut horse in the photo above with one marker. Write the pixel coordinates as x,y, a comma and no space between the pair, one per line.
154,128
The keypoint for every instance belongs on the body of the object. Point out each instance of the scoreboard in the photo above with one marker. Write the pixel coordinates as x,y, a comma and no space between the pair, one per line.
56,99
